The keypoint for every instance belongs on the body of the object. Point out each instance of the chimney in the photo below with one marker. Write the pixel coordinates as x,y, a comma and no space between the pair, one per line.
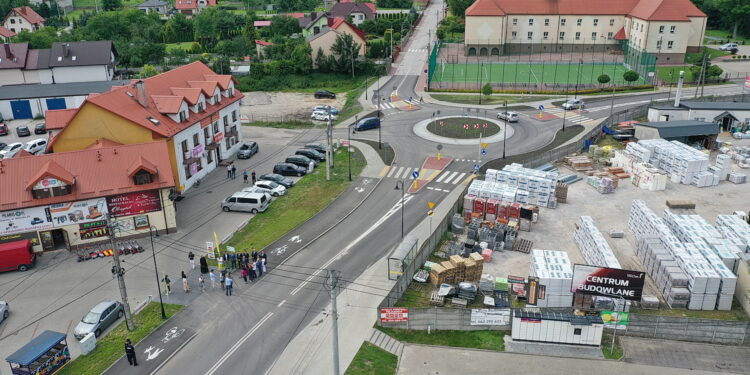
140,93
679,89
312,15
66,49
8,53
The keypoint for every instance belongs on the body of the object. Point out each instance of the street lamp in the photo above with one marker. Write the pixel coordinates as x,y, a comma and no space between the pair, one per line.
349,148
565,111
578,78
401,184
505,131
151,234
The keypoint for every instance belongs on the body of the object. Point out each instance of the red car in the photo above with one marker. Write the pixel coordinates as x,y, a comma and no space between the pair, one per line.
3,129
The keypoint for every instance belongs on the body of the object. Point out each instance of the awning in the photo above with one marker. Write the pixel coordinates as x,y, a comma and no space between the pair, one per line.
36,348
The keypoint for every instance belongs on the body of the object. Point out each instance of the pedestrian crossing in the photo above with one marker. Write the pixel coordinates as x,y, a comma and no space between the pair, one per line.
383,106
570,116
445,177
423,50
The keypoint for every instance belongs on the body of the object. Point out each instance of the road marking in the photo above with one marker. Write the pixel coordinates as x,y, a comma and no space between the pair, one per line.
407,170
281,303
433,175
455,181
394,169
385,169
447,180
302,284
440,179
237,344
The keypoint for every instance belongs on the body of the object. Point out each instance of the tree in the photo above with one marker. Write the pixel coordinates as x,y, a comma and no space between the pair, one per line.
221,65
284,25
321,61
603,79
714,71
458,7
346,51
487,89
630,76
43,10
43,38
178,29
302,59
148,71
111,4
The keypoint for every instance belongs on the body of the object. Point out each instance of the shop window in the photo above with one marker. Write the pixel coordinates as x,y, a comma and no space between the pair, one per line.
577,331
143,177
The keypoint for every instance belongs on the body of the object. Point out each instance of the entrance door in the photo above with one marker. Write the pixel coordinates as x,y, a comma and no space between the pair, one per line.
726,123
21,109
54,239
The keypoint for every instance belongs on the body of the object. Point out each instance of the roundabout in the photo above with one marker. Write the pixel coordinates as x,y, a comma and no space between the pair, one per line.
458,130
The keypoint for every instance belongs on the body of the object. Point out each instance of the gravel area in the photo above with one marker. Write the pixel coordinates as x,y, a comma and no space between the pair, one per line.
283,106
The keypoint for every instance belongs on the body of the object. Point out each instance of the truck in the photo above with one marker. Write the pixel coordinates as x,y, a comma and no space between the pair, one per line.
16,255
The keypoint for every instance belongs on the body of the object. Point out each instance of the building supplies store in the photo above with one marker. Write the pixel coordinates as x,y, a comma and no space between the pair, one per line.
59,181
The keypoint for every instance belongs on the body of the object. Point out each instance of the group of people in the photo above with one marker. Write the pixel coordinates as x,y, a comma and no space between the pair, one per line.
231,171
251,265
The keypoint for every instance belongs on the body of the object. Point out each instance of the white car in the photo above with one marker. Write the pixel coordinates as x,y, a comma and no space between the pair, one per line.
255,189
4,311
271,187
11,150
728,47
573,104
509,116
37,146
321,116
326,108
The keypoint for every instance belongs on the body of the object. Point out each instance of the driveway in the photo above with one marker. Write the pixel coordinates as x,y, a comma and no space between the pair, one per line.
734,68
687,355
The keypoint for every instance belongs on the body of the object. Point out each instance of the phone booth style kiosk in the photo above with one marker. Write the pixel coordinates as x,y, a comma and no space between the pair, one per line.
45,354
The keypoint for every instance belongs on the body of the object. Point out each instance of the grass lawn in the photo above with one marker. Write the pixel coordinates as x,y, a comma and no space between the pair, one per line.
491,340
351,106
183,45
284,125
309,196
109,348
338,83
736,313
494,99
455,127
725,35
695,58
616,352
385,152
74,14
563,73
663,72
370,359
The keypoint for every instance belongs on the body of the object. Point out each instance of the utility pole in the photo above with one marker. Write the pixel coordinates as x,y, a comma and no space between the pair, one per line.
329,150
118,272
331,282
701,75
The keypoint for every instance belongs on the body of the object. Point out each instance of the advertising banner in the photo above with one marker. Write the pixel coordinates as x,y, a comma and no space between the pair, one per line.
31,236
608,282
134,203
615,318
89,233
25,220
394,314
78,212
490,317
531,290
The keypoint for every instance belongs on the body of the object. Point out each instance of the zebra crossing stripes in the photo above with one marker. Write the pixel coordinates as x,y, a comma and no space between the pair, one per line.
417,49
386,106
446,177
568,115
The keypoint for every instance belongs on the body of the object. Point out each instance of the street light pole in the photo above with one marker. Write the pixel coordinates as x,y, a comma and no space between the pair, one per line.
401,184
505,130
151,230
565,111
349,149
578,79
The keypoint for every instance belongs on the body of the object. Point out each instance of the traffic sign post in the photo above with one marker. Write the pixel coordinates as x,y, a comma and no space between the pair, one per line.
439,147
414,175
541,108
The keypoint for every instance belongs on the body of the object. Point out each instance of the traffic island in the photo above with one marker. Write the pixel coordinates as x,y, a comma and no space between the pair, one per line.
465,131
431,168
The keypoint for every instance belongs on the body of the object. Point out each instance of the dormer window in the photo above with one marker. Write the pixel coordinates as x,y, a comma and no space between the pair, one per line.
49,187
201,107
143,177
183,115
230,91
216,98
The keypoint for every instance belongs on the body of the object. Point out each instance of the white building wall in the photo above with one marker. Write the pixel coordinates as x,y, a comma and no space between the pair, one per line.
45,76
39,105
556,332
11,77
81,73
18,24
656,114
570,28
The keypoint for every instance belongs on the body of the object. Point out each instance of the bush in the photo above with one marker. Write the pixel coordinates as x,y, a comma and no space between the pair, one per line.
630,76
487,89
603,79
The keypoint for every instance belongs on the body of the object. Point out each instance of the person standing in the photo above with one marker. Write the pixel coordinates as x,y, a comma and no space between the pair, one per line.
212,277
229,170
191,257
251,271
185,286
130,353
244,274
204,265
259,267
253,176
229,284
223,278
264,257
167,284
234,171
244,177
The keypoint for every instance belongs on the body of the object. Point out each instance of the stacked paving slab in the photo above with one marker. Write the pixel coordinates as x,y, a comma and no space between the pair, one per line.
555,272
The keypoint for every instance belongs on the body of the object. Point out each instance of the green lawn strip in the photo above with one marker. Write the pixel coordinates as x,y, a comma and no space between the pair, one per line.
494,99
182,45
284,125
453,127
608,350
309,196
560,138
109,348
735,314
338,83
490,340
386,151
351,106
725,36
370,359
696,58
520,72
664,73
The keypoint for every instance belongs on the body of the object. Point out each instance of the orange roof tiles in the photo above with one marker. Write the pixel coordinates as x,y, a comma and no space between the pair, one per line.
97,173
58,118
652,10
666,10
337,22
621,34
142,164
28,14
6,32
103,143
223,81
192,95
168,103
208,87
484,8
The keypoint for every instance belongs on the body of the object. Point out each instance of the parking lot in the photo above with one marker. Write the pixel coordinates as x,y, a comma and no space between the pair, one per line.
13,137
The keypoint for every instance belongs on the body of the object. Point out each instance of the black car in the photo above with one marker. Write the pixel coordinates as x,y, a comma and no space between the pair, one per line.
319,147
312,154
23,131
3,129
289,169
277,178
324,94
300,160
247,150
40,128
2,145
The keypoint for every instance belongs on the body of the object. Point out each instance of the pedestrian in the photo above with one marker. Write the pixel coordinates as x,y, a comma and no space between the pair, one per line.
201,281
229,282
185,286
167,284
233,260
263,265
234,171
244,177
244,274
253,176
223,278
259,268
204,265
251,271
212,277
191,257
130,353
264,257
254,254
229,170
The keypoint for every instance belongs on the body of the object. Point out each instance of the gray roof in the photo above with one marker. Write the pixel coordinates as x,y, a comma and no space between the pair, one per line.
343,10
575,320
670,107
682,128
322,32
57,89
716,105
82,53
152,4
13,55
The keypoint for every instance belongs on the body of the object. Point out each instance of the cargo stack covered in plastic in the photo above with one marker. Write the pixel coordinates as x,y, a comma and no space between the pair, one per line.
593,246
555,272
660,264
531,186
736,230
643,174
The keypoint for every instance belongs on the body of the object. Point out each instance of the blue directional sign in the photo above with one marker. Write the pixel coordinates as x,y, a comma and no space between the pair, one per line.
541,107
476,167
484,151
415,174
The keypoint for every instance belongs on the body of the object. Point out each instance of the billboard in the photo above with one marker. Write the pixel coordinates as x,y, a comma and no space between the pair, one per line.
490,317
608,282
394,314
25,220
615,318
78,212
134,203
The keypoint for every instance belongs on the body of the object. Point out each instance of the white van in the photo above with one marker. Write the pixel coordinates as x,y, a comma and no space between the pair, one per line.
247,202
37,146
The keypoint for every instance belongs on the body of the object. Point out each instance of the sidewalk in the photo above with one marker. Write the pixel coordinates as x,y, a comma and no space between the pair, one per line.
374,163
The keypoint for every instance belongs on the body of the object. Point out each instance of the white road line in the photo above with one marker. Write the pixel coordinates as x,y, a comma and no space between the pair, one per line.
458,178
406,173
390,172
430,188
281,303
451,177
238,344
302,284
442,176
398,173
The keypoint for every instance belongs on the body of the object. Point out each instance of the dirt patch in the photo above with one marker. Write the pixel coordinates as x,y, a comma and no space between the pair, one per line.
283,106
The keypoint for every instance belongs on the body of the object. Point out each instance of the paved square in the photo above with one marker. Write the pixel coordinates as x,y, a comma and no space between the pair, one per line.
693,356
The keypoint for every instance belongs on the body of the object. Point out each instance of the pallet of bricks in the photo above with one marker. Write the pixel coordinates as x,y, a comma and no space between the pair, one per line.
740,154
684,164
594,247
723,169
659,263
643,174
604,182
736,230
496,212
555,272
579,162
529,186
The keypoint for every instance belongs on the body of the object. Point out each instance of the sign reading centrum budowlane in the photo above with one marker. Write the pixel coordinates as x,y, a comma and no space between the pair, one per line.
608,282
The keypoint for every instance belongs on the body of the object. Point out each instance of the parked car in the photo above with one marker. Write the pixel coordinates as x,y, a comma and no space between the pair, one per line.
3,129
289,169
728,47
23,131
2,146
324,94
367,123
277,178
17,256
246,201
40,128
573,104
247,150
319,147
4,311
321,116
11,150
301,161
312,154
271,187
509,116
99,318
326,108
37,146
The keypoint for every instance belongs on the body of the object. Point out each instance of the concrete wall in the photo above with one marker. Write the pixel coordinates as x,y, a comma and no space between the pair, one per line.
644,132
742,290
688,329
67,74
441,318
11,77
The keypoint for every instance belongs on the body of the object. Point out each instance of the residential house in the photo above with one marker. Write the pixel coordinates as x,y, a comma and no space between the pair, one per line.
6,34
728,115
23,18
327,37
359,12
667,29
261,24
192,7
193,108
64,200
154,6
313,24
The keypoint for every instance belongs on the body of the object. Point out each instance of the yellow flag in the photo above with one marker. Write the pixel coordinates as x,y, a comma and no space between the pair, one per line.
216,240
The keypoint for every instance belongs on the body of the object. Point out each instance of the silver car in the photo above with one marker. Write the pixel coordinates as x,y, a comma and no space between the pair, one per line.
573,104
4,311
508,116
99,318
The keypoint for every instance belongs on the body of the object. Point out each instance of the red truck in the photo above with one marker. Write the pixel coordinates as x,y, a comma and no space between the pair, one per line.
16,255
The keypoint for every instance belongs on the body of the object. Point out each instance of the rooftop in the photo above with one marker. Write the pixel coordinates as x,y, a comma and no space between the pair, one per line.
577,320
28,14
57,89
682,128
82,53
343,10
152,3
652,10
716,105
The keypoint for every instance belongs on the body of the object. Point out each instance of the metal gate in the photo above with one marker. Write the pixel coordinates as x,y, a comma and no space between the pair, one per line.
56,103
21,109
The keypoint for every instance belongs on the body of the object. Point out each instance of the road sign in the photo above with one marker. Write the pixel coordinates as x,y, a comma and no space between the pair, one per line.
484,125
476,167
414,174
442,123
484,145
439,147
431,205
466,126
484,151
541,107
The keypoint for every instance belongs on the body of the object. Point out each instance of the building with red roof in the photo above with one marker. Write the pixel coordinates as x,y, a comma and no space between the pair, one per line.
6,34
23,18
324,40
192,7
666,28
63,200
196,110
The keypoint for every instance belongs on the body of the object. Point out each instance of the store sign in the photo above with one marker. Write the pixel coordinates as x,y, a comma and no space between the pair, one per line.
134,203
89,233
125,225
48,182
490,317
615,318
197,151
25,220
31,236
78,212
210,250
394,314
218,137
608,282
193,168
93,224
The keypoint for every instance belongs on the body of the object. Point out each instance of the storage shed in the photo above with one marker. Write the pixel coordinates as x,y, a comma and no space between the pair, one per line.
685,131
728,115
556,328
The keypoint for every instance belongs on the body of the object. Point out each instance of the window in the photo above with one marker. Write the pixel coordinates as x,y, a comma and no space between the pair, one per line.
12,20
142,177
545,35
593,36
513,35
217,98
205,133
578,35
610,35
531,22
209,157
579,21
670,44
231,91
234,116
658,44
577,331
187,172
596,22
562,35
184,146
226,122
196,142
672,29
661,29
201,107
216,127
530,35
641,27
612,22
546,22
562,21
183,116
515,21
51,192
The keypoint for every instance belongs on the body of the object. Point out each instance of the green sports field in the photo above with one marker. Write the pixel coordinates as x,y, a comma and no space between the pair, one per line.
533,73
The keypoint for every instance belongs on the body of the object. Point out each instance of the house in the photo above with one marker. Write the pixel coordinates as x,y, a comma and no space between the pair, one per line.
154,6
192,7
328,35
261,24
686,131
195,110
23,18
313,24
728,115
260,48
63,200
6,34
667,29
359,12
